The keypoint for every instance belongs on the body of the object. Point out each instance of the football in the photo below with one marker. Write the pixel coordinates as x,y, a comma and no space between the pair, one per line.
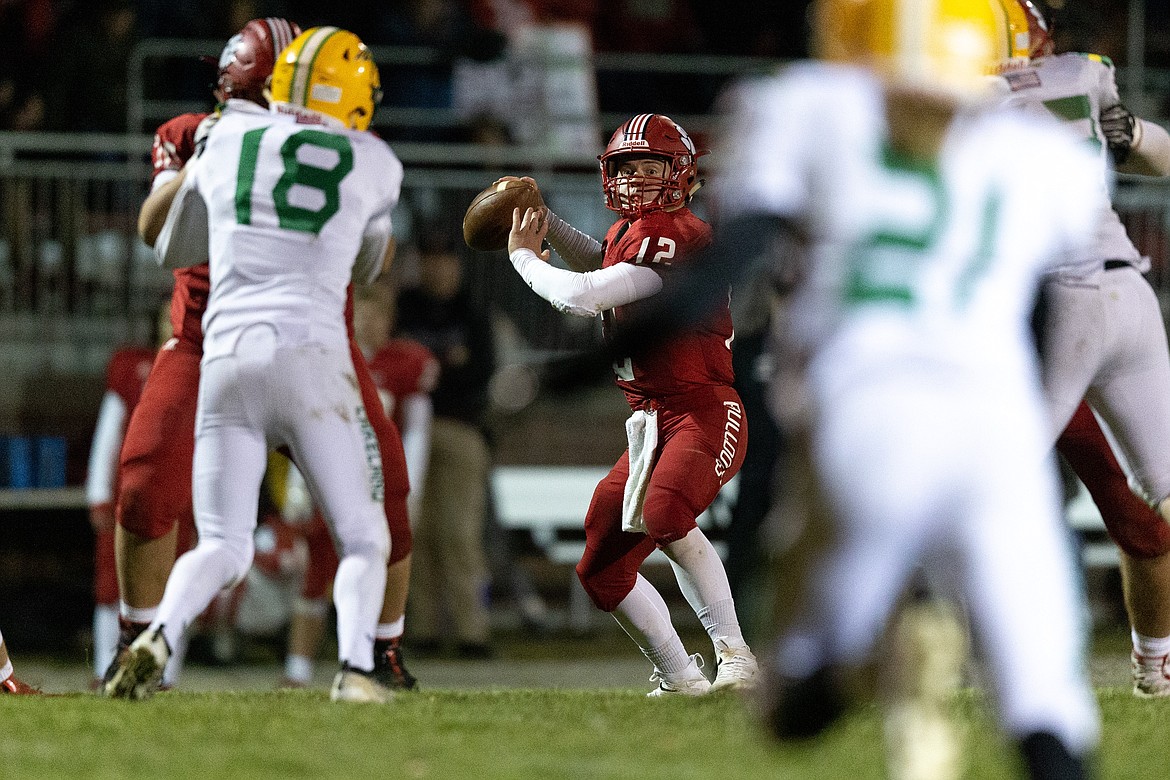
488,219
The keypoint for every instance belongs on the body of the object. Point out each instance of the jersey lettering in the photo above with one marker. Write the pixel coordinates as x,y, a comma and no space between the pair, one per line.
296,173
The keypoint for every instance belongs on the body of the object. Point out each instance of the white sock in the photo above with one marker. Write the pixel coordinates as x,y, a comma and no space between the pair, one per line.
1150,647
6,670
105,637
174,667
390,630
357,595
645,617
298,668
137,614
703,582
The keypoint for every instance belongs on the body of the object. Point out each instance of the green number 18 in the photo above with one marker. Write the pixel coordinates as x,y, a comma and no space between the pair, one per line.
325,180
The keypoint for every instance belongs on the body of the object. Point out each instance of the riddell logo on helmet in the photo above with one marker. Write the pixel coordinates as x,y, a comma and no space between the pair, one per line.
640,144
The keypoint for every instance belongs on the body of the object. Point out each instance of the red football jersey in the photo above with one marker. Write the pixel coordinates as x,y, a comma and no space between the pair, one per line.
174,144
402,368
697,357
127,372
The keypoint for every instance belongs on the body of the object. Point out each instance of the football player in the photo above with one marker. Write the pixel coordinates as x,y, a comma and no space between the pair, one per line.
155,497
125,376
923,249
9,684
687,434
405,373
288,205
1103,340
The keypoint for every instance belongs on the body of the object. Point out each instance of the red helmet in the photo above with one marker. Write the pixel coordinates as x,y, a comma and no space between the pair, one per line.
655,136
1040,37
247,59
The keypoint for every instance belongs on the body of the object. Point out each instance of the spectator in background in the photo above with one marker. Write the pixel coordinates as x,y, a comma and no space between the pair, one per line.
441,24
125,377
450,570
86,90
8,682
26,29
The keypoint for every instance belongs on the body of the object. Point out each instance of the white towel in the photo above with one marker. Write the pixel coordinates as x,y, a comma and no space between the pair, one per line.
642,435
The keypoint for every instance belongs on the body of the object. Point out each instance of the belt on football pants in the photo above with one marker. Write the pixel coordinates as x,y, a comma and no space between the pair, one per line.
1113,265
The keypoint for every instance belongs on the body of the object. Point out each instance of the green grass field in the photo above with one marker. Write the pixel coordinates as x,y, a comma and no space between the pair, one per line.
613,733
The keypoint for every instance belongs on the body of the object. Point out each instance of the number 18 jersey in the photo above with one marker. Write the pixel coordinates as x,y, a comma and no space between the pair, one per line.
290,208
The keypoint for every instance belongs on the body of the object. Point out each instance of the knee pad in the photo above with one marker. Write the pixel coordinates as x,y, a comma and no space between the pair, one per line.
149,507
607,588
669,516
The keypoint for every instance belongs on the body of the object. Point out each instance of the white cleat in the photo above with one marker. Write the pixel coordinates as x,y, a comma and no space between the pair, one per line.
355,685
140,668
689,682
736,667
1151,676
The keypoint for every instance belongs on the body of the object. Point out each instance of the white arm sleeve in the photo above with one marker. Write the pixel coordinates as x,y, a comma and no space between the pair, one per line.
183,240
417,413
368,265
586,294
1150,155
582,252
103,453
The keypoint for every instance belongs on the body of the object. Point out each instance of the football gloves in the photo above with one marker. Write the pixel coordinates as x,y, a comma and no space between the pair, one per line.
1122,130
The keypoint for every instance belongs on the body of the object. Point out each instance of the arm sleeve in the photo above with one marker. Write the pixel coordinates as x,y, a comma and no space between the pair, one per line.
368,265
582,252
103,453
586,294
183,240
417,413
1151,156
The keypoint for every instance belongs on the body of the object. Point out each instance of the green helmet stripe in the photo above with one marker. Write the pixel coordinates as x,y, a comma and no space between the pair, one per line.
306,59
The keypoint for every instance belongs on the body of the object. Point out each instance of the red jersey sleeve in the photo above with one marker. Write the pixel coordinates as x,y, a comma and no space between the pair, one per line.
403,368
174,143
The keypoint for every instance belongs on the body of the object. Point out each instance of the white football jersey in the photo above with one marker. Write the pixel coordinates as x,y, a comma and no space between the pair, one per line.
1074,88
910,263
290,208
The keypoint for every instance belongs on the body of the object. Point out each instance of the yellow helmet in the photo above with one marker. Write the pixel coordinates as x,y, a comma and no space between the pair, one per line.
1019,40
938,44
330,71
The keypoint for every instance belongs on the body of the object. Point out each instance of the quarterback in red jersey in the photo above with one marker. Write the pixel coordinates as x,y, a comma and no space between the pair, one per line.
687,435
157,456
125,377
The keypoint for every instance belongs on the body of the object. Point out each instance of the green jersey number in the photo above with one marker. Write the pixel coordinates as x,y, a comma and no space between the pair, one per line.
325,180
1074,109
885,265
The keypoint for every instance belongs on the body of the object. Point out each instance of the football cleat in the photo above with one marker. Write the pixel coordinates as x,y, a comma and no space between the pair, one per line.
15,687
140,668
1151,676
128,631
355,685
689,682
390,667
736,668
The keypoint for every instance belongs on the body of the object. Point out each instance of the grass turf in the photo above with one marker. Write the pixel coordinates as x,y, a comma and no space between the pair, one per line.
494,734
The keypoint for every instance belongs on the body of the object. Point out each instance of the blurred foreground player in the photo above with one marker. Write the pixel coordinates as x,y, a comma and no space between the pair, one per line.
687,435
926,430
289,204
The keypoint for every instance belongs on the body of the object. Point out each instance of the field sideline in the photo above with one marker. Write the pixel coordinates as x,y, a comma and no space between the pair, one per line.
531,714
